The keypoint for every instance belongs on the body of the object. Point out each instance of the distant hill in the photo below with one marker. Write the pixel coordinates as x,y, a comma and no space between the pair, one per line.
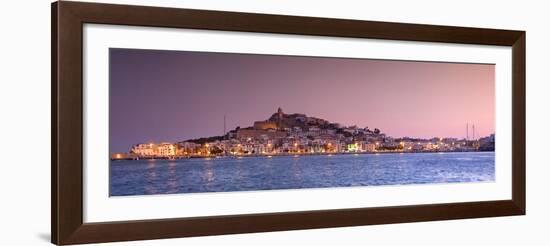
281,121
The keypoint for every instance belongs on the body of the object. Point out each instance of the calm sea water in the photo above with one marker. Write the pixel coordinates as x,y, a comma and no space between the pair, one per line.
145,177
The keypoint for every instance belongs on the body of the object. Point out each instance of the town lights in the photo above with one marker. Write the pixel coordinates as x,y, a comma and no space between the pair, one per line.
290,141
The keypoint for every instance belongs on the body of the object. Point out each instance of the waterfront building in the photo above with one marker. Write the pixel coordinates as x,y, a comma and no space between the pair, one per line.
146,150
429,146
487,143
154,150
367,147
417,147
186,148
407,145
165,150
353,147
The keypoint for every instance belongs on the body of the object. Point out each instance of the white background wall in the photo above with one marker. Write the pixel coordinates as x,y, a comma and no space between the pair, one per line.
25,124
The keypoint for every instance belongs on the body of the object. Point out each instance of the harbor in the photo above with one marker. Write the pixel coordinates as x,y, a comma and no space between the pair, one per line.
195,175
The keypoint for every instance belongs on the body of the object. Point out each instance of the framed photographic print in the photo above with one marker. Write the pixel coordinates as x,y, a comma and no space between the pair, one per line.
174,122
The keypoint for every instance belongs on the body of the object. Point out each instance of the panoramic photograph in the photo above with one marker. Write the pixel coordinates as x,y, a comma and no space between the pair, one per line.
196,122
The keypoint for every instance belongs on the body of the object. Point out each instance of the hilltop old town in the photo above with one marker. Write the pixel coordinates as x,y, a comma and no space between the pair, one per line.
298,134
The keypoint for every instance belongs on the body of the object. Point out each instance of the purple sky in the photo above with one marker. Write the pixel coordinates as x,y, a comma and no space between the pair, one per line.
176,95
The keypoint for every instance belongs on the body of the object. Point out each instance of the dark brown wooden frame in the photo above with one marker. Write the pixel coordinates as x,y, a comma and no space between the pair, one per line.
67,207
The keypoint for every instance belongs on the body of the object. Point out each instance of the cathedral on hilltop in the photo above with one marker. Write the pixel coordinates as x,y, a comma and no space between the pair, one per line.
275,122
281,121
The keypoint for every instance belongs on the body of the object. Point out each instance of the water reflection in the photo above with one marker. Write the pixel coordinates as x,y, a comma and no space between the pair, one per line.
262,173
208,174
172,177
151,177
296,172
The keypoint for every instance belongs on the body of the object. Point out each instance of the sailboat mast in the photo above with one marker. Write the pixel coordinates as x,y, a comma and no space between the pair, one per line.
467,137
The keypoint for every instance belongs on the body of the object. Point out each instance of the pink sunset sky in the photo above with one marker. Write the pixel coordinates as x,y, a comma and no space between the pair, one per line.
177,95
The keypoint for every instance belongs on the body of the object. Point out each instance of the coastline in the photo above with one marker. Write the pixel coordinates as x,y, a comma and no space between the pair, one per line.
292,154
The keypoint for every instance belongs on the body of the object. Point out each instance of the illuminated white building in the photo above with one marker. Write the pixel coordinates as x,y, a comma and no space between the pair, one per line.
143,150
154,150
